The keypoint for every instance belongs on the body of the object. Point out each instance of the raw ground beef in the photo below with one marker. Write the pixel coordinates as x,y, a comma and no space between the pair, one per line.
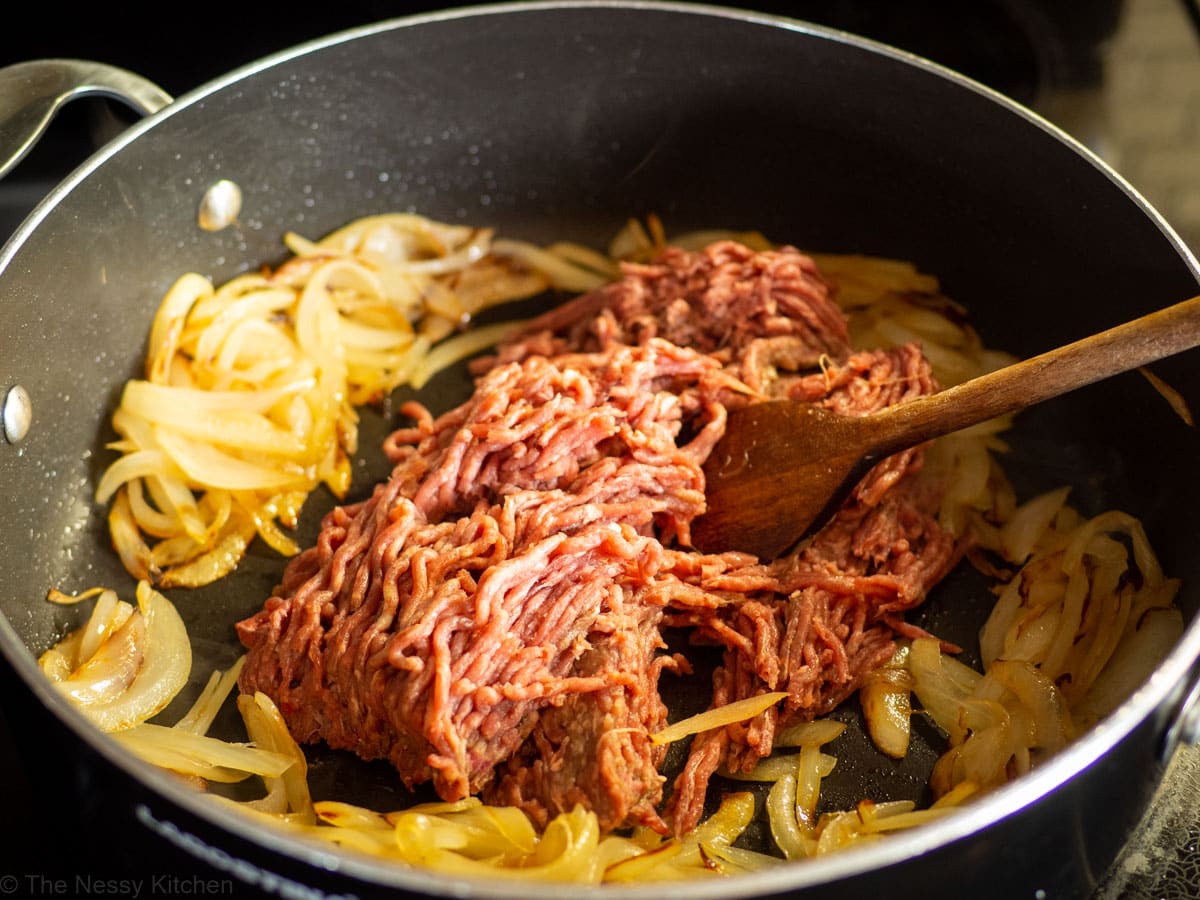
490,618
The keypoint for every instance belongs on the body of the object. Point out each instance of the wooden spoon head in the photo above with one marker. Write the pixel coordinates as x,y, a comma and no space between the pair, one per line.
781,470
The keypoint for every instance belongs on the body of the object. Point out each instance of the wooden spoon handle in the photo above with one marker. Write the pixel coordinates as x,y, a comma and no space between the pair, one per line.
1127,346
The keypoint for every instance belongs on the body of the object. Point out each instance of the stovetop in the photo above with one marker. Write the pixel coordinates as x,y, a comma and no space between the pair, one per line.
1121,76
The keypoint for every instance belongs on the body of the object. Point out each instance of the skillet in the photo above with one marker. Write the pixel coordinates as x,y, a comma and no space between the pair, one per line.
562,120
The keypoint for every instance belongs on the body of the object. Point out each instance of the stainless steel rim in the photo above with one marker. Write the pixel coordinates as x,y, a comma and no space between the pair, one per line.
1170,681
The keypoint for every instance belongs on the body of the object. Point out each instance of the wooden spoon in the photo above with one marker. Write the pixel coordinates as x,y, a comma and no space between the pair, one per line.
784,467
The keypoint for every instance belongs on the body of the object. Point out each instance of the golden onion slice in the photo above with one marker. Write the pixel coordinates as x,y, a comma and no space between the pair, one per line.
134,671
738,711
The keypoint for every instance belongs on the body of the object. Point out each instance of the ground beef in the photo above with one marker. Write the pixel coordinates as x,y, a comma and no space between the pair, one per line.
490,618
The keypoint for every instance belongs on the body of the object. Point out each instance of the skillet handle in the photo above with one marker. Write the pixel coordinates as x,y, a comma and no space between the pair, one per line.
1185,730
32,92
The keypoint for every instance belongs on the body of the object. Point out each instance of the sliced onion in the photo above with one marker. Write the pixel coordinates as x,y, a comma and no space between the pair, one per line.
816,733
266,727
108,671
206,465
738,711
196,754
1138,654
137,670
1021,533
887,710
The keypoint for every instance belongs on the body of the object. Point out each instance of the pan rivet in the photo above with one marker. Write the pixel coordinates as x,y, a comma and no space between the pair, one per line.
18,414
220,205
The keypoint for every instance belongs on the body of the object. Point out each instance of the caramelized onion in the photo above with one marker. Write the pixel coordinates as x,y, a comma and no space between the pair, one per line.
134,670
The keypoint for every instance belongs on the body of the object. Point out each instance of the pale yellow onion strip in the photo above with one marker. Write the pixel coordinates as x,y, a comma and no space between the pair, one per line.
197,754
723,827
632,242
170,492
1113,520
207,309
902,820
932,326
416,354
139,464
54,595
645,866
839,831
217,559
355,335
769,769
56,662
134,553
253,353
317,328
564,853
561,273
144,459
278,370
407,241
171,405
179,548
457,348
435,237
240,430
809,772
264,516
302,246
169,322
1049,711
1136,656
440,300
151,657
245,434
882,274
568,841
347,815
317,324
472,251
772,768
201,714
149,520
206,465
789,836
886,703
612,850
739,859
587,258
1103,644
267,729
1175,400
494,281
1054,662
809,734
1034,635
941,693
257,306
402,289
107,671
361,830
501,834
1021,533
960,793
738,711
108,615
